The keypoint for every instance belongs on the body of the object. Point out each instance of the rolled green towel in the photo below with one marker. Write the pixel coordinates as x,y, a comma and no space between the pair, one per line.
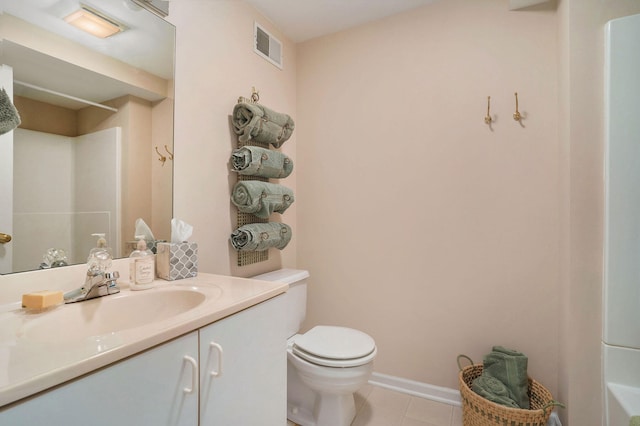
494,390
510,367
634,421
256,161
261,124
9,117
261,198
261,236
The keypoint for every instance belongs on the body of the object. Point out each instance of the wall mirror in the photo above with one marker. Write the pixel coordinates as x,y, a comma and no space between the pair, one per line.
94,151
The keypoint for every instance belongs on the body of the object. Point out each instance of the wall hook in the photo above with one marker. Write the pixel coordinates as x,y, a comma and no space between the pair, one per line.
516,115
255,95
488,118
169,152
161,158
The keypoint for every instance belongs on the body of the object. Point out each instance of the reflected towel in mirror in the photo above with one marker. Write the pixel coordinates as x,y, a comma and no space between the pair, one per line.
9,117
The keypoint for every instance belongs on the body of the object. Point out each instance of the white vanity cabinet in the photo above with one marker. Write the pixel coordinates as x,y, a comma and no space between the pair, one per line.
172,384
243,374
156,387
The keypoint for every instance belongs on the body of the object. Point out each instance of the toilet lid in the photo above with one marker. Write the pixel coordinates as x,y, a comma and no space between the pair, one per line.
335,346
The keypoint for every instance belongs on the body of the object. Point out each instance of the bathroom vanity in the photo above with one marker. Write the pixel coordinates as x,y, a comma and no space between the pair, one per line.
206,350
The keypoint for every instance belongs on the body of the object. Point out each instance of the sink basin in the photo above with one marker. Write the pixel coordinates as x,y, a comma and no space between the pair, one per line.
111,314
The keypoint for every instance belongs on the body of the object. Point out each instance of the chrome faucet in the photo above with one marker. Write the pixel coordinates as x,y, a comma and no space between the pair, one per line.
96,284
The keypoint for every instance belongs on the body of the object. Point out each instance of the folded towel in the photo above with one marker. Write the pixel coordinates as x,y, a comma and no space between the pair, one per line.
9,117
259,123
634,421
494,390
261,236
255,161
510,367
261,198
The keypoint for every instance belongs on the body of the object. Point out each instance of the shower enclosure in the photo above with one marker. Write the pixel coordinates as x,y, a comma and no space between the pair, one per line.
621,297
65,189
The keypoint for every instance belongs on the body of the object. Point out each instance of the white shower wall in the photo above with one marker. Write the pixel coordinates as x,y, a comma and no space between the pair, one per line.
621,304
65,189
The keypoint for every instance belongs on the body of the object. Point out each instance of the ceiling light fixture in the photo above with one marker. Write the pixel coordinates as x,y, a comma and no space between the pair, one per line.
93,22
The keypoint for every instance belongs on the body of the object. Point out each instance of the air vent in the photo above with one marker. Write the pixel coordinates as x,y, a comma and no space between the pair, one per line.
267,46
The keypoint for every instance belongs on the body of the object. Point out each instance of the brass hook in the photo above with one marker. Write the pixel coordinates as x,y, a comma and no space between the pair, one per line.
488,118
162,158
169,152
255,95
516,115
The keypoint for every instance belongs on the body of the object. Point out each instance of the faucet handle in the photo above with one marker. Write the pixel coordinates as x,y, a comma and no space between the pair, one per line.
111,283
112,276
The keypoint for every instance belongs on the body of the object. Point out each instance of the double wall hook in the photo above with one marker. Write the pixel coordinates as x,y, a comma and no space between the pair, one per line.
161,158
169,152
488,118
516,115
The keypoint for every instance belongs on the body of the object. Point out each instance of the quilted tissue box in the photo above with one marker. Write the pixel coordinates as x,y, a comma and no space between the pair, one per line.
175,261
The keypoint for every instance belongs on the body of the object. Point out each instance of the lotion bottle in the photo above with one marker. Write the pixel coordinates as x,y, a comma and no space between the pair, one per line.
142,266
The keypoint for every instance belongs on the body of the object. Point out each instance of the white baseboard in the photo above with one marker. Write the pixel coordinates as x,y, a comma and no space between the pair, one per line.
422,390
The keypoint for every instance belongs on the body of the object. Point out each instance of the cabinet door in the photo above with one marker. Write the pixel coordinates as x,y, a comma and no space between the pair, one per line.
250,389
147,389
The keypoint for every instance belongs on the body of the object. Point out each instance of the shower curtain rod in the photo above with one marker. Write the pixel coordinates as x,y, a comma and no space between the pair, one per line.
53,92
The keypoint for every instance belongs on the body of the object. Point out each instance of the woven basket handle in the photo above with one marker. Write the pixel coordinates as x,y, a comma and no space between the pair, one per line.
552,404
461,356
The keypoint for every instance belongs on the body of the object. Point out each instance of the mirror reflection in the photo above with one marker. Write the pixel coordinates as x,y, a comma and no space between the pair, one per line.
95,109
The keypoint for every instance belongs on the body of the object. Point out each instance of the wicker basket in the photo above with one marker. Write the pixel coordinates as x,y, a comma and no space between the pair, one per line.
478,411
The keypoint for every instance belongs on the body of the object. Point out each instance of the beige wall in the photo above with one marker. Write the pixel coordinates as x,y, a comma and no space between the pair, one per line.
582,112
420,224
215,65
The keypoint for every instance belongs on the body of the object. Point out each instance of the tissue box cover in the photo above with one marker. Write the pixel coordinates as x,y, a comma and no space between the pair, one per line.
175,261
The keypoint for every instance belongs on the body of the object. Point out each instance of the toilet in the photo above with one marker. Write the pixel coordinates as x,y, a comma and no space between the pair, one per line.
325,366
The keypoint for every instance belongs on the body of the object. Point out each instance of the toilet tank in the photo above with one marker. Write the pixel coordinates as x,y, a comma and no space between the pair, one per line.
295,297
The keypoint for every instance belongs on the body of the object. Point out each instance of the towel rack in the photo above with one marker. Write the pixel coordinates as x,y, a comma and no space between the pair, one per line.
250,257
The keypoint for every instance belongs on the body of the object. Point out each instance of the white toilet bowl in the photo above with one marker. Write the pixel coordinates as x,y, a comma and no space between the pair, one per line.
333,363
325,366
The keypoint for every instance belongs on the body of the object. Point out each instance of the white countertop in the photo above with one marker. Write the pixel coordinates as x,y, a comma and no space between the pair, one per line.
29,365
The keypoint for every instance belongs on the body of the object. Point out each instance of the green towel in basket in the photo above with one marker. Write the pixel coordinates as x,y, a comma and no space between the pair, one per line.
261,236
261,198
510,367
494,390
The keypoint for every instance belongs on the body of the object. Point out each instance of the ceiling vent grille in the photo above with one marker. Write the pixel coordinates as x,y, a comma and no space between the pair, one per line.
267,46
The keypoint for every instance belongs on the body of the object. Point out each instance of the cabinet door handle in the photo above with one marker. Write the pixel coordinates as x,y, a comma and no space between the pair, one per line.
194,374
218,348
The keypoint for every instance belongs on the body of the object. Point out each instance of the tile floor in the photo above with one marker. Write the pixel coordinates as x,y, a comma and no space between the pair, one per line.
377,406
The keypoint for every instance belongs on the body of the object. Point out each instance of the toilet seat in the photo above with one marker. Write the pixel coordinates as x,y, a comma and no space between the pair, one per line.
332,346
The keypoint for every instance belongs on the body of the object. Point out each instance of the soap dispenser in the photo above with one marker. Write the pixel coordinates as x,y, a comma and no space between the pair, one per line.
100,257
142,266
